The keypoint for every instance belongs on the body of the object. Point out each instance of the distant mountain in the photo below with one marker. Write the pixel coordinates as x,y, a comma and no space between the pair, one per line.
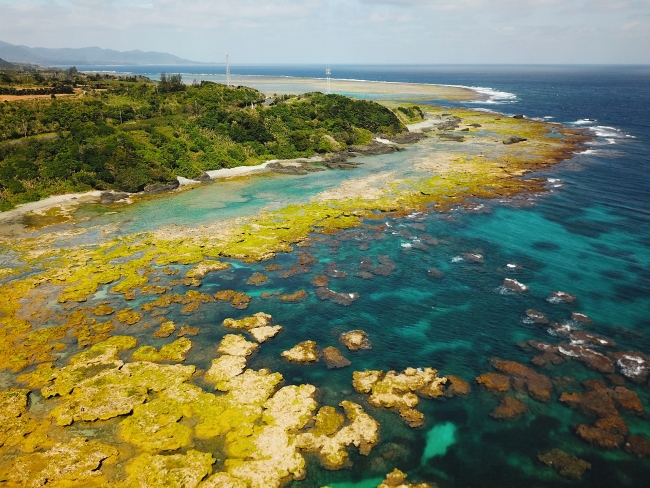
6,64
87,55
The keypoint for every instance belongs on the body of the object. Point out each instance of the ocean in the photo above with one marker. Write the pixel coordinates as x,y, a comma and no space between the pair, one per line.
588,235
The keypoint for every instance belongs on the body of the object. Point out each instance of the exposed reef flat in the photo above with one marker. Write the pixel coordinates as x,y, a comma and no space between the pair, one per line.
135,381
412,91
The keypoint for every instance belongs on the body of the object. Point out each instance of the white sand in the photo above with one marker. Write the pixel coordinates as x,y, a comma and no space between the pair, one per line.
63,201
238,171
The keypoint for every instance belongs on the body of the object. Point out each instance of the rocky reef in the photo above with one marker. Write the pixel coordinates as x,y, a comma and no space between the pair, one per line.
400,391
566,465
305,352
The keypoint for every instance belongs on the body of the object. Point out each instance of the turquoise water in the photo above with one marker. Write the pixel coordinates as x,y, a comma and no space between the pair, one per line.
589,235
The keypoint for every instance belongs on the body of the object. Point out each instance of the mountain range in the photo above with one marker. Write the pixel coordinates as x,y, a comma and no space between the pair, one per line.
44,56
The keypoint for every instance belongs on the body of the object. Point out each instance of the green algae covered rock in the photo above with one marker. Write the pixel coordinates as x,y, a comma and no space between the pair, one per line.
236,345
105,390
331,441
222,480
173,471
224,369
72,463
14,424
155,426
176,351
259,319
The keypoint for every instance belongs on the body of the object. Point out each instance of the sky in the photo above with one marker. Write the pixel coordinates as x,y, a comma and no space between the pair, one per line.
340,32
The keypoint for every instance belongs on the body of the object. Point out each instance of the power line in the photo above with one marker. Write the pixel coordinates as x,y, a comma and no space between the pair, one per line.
227,71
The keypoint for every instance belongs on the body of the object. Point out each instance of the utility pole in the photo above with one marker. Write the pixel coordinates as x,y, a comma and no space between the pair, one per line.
328,73
227,71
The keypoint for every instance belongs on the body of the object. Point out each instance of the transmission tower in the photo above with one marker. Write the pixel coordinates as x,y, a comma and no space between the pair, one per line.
328,73
227,71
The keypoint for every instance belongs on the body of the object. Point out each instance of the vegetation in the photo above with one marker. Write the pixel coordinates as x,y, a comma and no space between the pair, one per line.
124,133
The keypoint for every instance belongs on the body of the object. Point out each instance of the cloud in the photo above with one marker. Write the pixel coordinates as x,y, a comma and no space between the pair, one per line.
345,30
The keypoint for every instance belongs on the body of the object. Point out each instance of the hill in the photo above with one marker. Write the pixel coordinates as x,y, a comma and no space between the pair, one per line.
125,134
6,64
85,56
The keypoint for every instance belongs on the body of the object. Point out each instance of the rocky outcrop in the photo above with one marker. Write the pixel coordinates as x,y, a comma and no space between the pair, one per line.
334,358
509,408
355,340
110,197
398,391
305,352
514,140
566,465
158,188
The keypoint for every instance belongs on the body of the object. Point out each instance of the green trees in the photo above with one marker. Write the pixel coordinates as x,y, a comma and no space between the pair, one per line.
133,133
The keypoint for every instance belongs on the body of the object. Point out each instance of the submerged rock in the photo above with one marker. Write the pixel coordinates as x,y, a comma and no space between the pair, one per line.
566,465
538,386
166,329
494,382
473,257
638,446
334,358
514,285
257,279
561,297
305,352
591,358
320,280
341,298
457,386
599,437
509,408
355,340
435,273
536,317
294,297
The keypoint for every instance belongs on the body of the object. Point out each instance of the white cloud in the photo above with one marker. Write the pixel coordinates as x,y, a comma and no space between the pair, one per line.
341,30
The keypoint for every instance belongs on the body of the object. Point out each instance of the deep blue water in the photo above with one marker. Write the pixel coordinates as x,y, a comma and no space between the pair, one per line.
589,235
